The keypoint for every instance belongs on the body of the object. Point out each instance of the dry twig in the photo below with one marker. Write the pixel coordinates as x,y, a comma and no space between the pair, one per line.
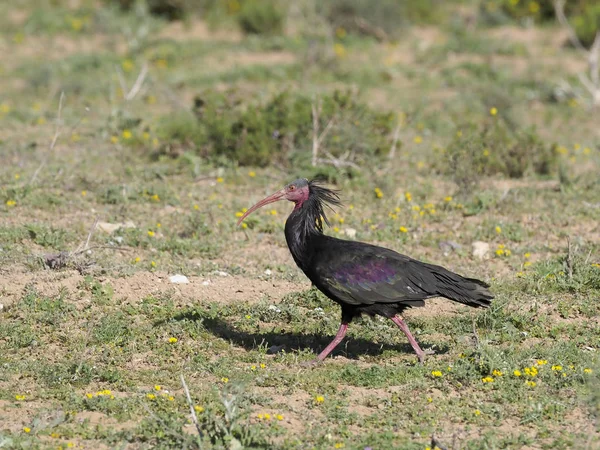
394,142
57,132
318,138
191,405
590,81
569,259
129,94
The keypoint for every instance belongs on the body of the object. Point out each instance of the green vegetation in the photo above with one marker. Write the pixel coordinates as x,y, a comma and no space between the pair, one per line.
439,129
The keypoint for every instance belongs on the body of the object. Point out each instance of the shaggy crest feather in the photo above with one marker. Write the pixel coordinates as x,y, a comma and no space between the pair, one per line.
320,197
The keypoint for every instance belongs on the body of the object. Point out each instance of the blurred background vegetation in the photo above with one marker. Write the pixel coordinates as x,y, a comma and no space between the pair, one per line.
276,125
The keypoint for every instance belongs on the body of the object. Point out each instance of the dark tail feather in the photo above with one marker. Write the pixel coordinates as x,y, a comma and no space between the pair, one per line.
468,291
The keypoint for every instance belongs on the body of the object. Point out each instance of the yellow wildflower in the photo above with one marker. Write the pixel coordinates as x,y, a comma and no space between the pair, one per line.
220,180
225,380
517,373
319,399
498,229
263,366
150,396
173,340
339,445
10,203
408,196
531,383
436,373
497,373
587,370
27,429
418,139
157,387
151,233
279,416
339,50
403,230
448,199
251,174
127,134
493,111
534,7
542,362
198,409
487,379
127,65
19,397
477,412
267,416
557,368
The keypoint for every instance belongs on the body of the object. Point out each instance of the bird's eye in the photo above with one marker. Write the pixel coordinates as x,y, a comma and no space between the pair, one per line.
292,187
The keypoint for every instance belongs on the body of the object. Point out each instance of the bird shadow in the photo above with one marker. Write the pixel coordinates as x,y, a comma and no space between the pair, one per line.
275,341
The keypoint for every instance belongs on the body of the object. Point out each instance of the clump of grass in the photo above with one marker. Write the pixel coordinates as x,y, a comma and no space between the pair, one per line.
261,17
168,9
386,20
496,146
585,14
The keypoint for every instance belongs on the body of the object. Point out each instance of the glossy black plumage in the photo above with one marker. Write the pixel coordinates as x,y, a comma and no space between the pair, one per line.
363,278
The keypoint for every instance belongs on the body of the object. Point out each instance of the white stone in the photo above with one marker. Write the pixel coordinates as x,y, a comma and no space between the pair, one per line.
206,283
350,232
480,249
112,227
179,279
268,272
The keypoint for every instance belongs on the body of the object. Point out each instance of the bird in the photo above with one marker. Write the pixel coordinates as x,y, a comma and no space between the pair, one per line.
360,277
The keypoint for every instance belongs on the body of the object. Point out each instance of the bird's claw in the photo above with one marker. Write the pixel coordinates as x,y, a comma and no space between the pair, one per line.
424,353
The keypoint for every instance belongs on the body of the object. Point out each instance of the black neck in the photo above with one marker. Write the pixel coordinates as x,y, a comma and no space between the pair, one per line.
300,229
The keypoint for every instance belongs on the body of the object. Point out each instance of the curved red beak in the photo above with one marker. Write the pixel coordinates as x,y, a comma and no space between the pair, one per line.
279,195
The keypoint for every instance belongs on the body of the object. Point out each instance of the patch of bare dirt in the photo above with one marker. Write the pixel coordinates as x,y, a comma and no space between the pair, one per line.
57,47
211,288
198,30
228,61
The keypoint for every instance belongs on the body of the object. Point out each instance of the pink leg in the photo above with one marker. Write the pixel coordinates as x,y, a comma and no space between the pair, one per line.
402,325
336,340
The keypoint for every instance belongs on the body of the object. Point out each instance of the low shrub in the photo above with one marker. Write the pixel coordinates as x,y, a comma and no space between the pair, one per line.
496,147
261,17
280,129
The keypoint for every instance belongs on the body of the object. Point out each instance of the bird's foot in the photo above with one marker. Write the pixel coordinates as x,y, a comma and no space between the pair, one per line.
423,353
312,363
